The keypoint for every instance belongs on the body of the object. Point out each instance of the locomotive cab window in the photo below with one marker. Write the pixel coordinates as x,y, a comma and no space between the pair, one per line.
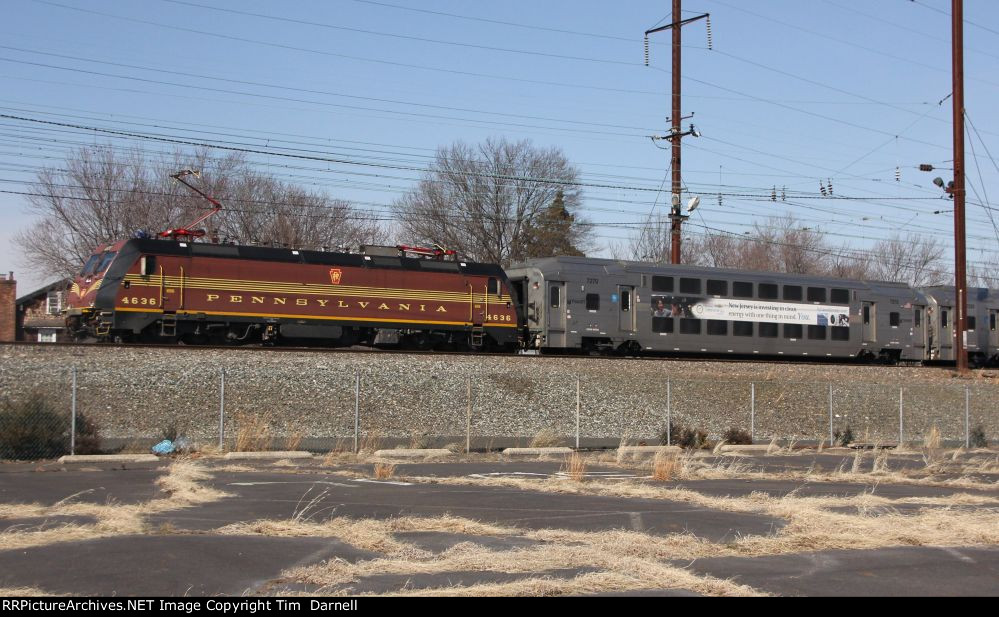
105,262
840,296
742,289
717,288
816,294
768,291
593,302
690,286
91,264
493,286
662,283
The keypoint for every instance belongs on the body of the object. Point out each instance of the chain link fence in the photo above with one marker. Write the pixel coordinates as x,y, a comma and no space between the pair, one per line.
290,404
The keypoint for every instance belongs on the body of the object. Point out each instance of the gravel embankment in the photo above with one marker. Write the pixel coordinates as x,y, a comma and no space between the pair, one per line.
136,394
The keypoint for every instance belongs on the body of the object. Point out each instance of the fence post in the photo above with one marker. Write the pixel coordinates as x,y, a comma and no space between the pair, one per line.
357,409
221,408
468,416
752,412
72,421
831,444
669,412
577,411
967,417
900,433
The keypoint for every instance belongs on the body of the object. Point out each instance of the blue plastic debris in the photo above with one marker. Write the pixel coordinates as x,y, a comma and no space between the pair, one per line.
163,447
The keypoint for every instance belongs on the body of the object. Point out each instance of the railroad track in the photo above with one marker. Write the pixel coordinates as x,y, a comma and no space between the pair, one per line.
545,357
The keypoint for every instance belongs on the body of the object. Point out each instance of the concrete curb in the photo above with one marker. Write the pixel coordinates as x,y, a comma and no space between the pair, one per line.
754,449
537,451
423,453
109,458
644,452
249,456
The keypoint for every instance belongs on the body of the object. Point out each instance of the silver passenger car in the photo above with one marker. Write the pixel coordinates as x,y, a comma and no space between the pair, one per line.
981,338
573,304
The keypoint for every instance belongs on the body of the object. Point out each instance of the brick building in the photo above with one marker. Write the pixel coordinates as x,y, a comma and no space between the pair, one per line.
39,314
8,308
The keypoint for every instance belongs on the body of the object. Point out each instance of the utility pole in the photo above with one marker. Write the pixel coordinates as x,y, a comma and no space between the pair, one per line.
960,251
675,134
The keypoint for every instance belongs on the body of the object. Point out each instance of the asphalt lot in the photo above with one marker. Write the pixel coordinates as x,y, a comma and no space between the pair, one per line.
179,552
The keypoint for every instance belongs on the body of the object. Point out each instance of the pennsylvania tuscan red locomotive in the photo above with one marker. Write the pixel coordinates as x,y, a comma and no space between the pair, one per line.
175,289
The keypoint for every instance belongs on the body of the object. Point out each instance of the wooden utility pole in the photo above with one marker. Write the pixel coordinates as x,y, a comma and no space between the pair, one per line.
675,134
960,252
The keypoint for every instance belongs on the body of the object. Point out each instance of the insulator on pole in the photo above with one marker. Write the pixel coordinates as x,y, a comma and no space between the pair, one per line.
822,188
898,174
829,182
773,194
783,193
708,25
646,50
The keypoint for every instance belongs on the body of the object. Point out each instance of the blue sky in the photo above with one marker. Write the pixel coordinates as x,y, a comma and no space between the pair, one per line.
793,93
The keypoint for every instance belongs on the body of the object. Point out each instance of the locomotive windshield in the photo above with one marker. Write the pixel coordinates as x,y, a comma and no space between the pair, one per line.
108,258
91,264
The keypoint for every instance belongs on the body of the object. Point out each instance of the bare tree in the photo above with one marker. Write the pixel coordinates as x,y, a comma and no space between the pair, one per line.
105,195
911,259
489,201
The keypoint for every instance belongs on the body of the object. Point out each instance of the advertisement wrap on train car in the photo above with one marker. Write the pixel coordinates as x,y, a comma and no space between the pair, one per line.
725,309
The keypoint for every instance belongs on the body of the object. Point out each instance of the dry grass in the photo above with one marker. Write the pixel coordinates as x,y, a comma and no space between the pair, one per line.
24,592
253,433
932,439
619,570
384,471
546,438
181,483
575,467
665,467
370,442
293,441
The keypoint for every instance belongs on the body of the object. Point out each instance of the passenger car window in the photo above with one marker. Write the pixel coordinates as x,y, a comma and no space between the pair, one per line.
690,286
768,330
593,302
742,289
817,333
717,328
893,319
742,328
690,326
555,297
662,325
768,291
816,294
717,288
662,283
792,292
792,330
972,323
840,296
